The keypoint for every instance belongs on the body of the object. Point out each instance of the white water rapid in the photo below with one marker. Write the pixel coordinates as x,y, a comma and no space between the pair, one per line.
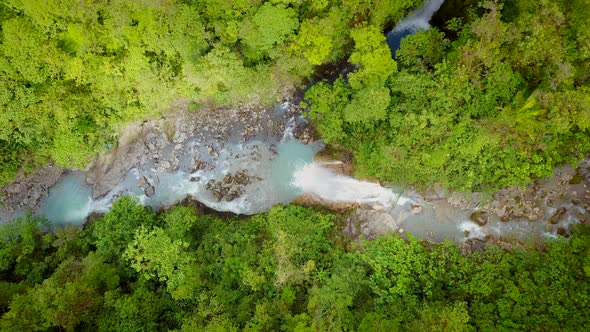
278,170
419,20
322,183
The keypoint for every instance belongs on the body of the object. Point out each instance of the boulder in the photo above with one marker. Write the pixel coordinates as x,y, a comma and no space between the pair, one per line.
338,161
479,217
155,180
150,191
142,182
562,231
378,223
416,209
378,207
166,164
310,200
557,215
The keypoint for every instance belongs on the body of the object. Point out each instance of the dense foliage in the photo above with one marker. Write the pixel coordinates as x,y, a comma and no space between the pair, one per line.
290,269
72,73
505,101
498,98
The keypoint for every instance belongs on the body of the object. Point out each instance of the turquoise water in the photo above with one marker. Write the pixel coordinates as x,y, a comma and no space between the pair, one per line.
278,179
69,201
292,155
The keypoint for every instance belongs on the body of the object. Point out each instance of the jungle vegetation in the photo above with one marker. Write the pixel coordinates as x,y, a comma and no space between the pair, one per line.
502,103
73,73
498,95
290,269
495,96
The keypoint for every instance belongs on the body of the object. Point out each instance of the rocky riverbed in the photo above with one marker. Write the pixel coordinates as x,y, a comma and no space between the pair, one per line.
26,191
164,142
215,141
511,217
226,154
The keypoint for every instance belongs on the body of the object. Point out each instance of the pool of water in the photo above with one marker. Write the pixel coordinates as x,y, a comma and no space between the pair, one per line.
69,201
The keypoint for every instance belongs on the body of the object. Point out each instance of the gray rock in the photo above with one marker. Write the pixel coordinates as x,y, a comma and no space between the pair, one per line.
374,223
378,207
416,208
108,170
563,231
155,180
557,215
500,211
198,165
150,191
479,217
142,182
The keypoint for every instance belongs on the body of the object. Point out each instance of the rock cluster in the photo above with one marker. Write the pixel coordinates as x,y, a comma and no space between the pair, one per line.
230,187
556,201
161,144
530,203
148,188
370,223
26,191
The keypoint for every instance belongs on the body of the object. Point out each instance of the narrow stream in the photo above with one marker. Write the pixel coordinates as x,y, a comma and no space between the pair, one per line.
279,175
250,177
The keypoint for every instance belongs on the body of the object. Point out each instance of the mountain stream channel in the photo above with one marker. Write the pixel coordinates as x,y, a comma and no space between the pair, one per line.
248,159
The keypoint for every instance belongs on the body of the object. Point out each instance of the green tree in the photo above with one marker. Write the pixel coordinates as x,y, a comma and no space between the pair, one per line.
66,299
155,255
116,230
371,97
267,29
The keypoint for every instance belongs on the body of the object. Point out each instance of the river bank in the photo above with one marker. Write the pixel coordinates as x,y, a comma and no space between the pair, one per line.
243,160
216,151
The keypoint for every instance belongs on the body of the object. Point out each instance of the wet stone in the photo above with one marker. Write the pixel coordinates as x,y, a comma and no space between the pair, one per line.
479,217
198,165
150,191
557,215
416,209
142,182
155,179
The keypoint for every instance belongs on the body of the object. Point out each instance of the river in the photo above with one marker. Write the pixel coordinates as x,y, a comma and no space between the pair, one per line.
247,176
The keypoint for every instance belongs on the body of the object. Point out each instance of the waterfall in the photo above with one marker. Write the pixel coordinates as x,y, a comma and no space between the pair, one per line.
326,185
416,22
427,11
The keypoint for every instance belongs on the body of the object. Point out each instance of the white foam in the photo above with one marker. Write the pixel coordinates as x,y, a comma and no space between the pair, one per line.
419,20
475,231
321,182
